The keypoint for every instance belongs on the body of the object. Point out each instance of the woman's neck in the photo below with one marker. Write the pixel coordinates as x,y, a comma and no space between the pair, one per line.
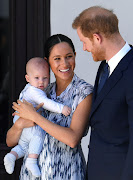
61,85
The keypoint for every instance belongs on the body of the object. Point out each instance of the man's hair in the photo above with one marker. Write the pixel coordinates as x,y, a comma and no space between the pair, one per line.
98,20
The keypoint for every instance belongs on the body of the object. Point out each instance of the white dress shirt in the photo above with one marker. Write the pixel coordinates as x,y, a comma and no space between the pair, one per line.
113,62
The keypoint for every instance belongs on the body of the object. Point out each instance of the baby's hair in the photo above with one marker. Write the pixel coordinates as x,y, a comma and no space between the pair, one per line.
36,62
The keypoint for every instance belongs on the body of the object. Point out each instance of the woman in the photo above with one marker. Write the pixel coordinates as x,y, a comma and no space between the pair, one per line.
61,157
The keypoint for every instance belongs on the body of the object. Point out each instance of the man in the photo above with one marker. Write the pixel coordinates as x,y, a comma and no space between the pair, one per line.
111,119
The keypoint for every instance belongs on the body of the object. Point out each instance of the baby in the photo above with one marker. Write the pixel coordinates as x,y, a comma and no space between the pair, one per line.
32,138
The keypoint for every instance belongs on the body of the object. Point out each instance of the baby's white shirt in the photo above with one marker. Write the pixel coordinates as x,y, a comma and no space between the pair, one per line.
36,96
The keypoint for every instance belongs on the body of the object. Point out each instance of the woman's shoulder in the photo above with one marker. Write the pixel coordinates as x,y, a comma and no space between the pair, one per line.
81,83
50,88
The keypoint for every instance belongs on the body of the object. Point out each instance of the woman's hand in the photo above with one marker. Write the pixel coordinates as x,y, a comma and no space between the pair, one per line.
25,110
21,123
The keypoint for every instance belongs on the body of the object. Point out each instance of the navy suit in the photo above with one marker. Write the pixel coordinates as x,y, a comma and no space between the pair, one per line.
111,121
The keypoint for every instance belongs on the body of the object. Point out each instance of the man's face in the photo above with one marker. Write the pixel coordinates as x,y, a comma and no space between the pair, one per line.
92,45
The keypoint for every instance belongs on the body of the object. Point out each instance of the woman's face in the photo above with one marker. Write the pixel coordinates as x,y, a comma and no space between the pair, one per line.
62,61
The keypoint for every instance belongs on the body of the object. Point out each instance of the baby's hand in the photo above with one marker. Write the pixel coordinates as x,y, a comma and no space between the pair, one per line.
66,110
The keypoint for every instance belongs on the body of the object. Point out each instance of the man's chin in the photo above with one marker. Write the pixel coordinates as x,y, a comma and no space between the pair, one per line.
97,60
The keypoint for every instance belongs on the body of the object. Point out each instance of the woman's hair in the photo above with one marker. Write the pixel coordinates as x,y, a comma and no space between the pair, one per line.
56,39
96,20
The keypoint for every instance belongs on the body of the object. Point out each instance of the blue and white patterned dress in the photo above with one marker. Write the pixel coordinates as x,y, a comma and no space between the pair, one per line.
57,160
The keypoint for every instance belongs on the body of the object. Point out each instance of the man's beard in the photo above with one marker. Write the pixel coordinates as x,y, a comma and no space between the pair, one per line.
98,55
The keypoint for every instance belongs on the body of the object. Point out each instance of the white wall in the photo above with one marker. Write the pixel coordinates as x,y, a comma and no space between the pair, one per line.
62,15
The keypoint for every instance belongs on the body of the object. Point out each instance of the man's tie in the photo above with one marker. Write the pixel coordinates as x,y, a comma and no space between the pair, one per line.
103,78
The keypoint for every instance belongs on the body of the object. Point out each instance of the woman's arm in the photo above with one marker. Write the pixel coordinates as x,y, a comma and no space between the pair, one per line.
15,131
70,136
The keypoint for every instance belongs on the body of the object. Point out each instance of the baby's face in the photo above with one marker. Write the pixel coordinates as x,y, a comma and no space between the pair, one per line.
39,78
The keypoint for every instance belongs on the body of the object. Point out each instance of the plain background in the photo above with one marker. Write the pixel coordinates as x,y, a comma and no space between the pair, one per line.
62,15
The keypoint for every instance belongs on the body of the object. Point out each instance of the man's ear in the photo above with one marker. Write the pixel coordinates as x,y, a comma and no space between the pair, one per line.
97,37
27,77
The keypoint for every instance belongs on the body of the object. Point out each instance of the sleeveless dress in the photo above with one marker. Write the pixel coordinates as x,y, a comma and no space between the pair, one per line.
57,160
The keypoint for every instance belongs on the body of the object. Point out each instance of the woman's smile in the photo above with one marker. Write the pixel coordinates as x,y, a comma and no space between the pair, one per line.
62,61
64,70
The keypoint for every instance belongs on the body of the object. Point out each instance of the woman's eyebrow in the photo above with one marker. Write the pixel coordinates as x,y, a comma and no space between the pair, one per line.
60,55
56,56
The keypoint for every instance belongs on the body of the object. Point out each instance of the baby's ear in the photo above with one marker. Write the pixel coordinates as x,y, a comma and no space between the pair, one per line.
27,77
45,59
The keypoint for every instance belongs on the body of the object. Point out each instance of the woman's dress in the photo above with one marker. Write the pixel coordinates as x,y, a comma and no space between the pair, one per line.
57,160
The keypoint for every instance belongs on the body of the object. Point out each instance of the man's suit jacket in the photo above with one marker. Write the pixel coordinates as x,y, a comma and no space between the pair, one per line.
111,121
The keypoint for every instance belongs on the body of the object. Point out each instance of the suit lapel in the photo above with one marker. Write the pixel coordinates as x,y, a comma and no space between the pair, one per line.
110,83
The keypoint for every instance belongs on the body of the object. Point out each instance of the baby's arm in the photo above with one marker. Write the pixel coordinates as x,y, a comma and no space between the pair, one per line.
39,96
15,118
